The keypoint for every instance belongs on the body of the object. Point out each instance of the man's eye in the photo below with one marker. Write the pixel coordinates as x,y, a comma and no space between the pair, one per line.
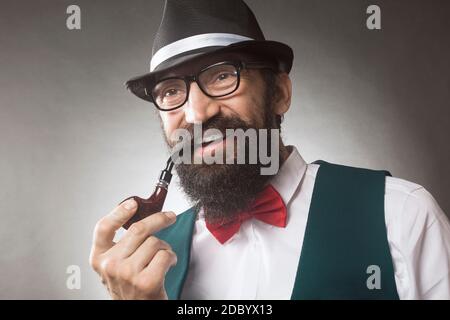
170,92
224,76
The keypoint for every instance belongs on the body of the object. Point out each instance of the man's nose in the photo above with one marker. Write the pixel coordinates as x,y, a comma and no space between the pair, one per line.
199,107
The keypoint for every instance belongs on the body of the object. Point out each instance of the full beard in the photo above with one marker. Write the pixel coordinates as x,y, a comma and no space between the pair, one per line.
224,190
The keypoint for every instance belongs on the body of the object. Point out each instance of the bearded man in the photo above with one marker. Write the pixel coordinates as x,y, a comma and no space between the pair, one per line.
308,231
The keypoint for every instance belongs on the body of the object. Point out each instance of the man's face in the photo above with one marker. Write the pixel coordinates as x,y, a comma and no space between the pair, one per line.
246,104
222,189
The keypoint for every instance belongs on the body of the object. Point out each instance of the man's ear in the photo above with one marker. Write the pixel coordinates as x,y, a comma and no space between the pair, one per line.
284,94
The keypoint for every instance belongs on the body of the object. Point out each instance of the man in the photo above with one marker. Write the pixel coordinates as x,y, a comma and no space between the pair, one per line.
310,231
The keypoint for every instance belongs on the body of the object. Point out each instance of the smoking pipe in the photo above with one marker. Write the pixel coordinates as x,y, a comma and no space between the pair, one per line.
155,202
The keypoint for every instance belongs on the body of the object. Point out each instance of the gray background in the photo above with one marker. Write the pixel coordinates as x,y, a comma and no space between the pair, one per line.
73,142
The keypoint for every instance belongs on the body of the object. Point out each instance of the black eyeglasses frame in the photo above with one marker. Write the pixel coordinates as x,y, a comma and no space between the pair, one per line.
239,65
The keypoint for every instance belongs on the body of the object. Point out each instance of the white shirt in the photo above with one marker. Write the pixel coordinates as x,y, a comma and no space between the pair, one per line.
261,260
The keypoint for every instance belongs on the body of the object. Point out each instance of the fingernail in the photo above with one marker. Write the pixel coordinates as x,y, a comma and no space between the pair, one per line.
130,204
171,215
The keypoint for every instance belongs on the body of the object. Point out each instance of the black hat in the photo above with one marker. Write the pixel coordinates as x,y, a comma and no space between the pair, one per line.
192,29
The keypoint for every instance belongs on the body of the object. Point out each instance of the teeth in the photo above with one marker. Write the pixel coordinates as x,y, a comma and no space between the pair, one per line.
212,138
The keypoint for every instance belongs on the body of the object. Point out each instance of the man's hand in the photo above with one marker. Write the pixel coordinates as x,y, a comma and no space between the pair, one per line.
136,266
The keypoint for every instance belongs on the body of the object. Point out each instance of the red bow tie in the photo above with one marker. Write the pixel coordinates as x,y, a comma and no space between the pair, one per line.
268,207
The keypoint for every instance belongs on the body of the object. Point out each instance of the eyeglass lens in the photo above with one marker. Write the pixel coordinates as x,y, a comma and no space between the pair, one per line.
215,81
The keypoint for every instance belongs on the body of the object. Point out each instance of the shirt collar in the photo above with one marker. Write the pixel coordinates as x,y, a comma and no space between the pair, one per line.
289,175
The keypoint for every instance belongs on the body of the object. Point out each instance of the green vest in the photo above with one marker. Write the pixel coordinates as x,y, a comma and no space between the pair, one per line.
345,235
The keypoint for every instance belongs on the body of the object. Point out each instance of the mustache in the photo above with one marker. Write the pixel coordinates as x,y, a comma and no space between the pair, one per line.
220,123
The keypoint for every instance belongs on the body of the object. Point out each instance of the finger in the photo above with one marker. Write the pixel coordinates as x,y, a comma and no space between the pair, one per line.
113,289
108,272
146,252
140,231
107,226
154,274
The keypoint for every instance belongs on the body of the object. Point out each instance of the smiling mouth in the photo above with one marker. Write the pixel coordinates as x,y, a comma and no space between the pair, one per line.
209,139
200,143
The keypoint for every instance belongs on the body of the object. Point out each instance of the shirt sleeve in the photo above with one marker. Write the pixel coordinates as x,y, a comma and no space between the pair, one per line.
419,239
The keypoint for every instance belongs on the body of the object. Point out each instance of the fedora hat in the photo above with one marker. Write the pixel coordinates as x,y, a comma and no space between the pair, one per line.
192,30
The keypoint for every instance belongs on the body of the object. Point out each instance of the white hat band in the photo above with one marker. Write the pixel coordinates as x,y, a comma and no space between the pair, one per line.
193,43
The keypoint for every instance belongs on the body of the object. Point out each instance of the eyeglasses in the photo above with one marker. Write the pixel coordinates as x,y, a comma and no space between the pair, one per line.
215,81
